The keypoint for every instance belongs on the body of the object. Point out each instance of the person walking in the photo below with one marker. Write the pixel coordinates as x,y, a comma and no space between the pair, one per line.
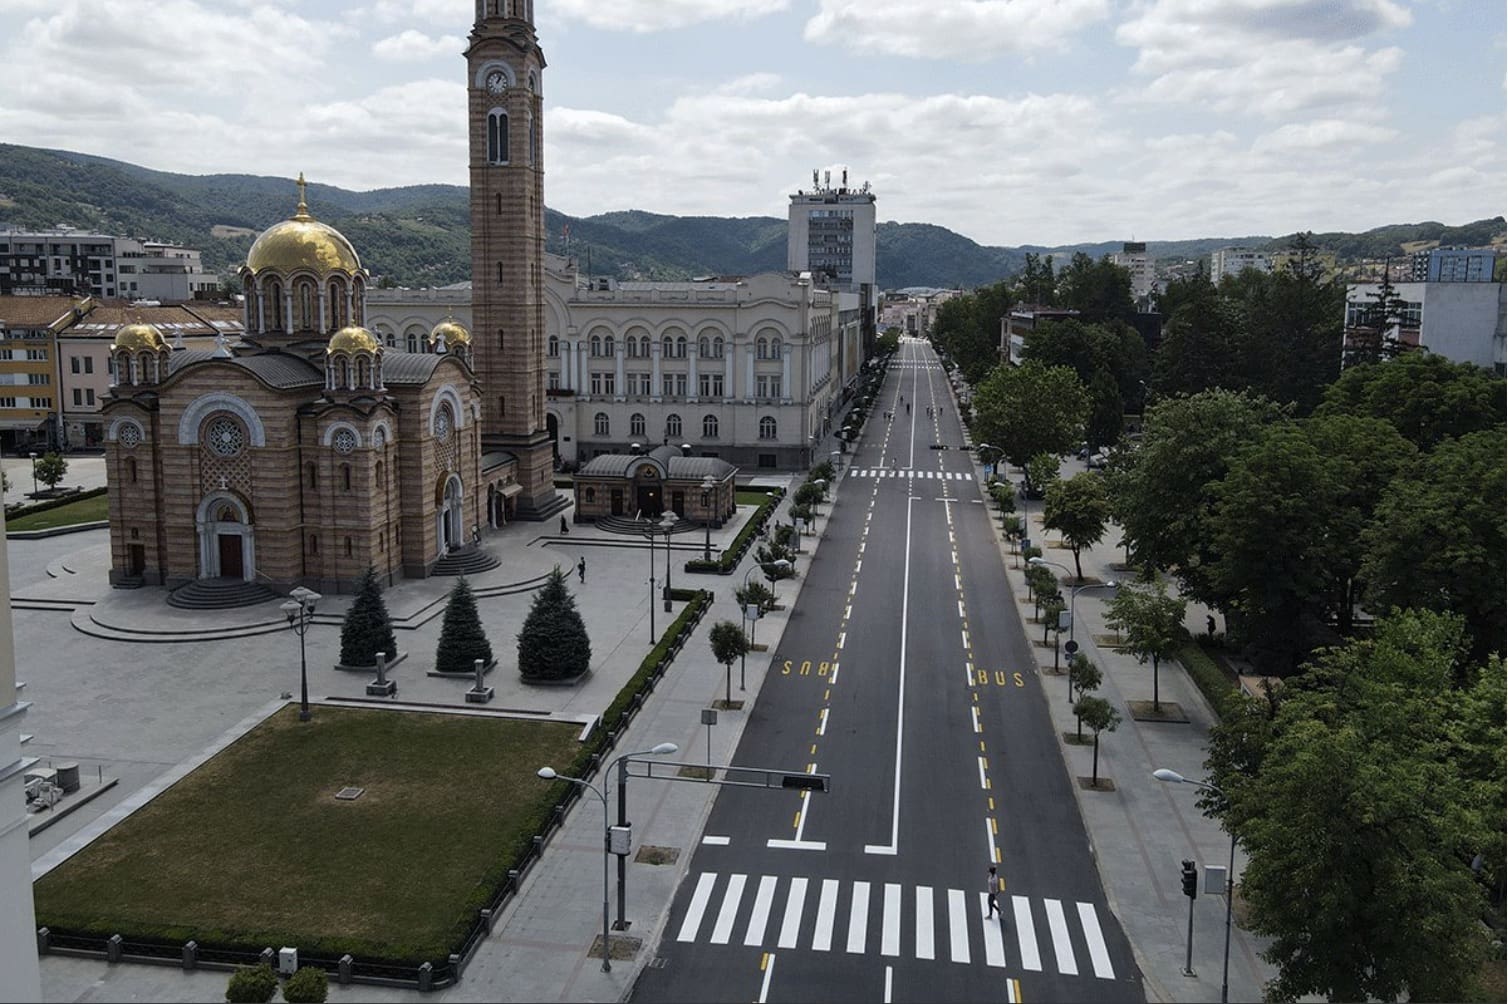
564,527
992,886
908,407
581,570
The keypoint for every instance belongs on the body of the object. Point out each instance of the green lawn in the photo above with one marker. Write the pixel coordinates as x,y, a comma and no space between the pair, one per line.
745,496
88,510
253,850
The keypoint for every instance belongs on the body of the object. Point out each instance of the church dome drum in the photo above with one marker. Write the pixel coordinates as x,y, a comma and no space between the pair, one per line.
451,332
138,337
353,339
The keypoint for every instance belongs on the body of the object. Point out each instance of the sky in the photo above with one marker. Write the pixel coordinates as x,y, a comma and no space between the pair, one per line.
1010,121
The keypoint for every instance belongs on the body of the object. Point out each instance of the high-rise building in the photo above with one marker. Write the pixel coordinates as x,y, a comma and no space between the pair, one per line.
504,78
831,234
1133,258
65,262
1234,261
1454,265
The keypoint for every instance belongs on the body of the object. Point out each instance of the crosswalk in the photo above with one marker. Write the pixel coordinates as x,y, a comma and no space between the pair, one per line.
914,475
941,924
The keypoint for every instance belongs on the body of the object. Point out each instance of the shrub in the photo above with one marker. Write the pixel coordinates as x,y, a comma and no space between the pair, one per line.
367,629
462,640
251,985
307,986
822,472
553,643
51,468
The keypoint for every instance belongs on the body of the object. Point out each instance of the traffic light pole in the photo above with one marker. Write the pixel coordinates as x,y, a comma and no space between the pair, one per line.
1191,890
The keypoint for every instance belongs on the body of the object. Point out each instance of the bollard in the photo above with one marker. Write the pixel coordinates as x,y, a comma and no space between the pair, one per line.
455,968
343,974
426,978
512,880
44,940
190,954
486,915
113,948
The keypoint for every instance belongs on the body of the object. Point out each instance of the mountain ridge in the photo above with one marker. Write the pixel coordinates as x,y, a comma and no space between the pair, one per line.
419,235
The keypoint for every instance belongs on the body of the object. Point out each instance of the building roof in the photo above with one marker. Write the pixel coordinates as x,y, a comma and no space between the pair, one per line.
668,459
408,367
34,311
497,458
105,318
280,370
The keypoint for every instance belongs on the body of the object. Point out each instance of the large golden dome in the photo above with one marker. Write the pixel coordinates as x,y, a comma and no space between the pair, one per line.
138,336
353,339
453,333
302,242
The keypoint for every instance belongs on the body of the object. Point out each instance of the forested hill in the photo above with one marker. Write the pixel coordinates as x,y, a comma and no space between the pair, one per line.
419,235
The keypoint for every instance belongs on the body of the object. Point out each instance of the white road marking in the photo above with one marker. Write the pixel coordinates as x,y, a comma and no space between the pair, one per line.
965,639
1057,923
890,932
842,637
790,926
989,840
900,717
723,929
983,781
827,912
769,970
822,726
848,610
924,928
977,727
888,979
834,678
717,841
697,907
994,945
1098,954
858,918
961,614
796,845
958,926
761,916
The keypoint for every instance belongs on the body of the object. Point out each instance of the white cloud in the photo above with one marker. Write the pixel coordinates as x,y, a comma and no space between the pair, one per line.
436,12
660,15
952,29
1271,57
410,46
1322,135
753,83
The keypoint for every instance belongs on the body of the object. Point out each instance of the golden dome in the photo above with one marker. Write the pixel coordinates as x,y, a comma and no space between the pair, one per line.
302,242
453,333
353,339
138,336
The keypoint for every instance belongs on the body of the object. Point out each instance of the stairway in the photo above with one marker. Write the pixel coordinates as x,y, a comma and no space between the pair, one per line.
637,527
468,560
219,594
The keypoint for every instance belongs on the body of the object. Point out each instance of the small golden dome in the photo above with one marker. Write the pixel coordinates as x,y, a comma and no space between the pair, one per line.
138,336
352,339
453,333
302,242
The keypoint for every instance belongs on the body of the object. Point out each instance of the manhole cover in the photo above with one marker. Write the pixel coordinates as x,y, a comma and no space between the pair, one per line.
349,794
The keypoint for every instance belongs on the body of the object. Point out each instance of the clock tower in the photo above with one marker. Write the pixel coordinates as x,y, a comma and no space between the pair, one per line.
504,70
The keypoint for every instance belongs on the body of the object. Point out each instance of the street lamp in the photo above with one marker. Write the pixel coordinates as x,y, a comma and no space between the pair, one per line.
993,449
300,613
780,564
667,527
649,535
33,475
622,762
1173,777
708,486
1073,597
548,774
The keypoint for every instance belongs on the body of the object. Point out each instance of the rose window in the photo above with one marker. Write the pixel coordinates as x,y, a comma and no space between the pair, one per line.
345,441
225,437
129,437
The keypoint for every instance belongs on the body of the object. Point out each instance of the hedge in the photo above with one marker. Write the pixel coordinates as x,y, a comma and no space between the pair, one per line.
733,555
1212,681
11,512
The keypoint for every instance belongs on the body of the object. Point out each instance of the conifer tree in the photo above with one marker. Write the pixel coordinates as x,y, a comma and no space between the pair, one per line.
462,640
553,644
367,629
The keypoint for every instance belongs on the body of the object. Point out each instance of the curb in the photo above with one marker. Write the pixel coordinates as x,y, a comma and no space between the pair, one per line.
56,531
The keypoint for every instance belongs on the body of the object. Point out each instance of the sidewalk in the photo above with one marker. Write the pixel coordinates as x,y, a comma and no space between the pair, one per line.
540,947
1141,831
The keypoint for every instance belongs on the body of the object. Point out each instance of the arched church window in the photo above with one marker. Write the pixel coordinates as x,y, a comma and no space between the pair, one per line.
717,348
596,347
608,348
307,319
345,477
680,347
225,437
444,422
381,473
339,317
762,349
275,294
311,471
131,469
497,136
500,203
644,346
413,341
129,436
767,428
774,348
667,347
704,347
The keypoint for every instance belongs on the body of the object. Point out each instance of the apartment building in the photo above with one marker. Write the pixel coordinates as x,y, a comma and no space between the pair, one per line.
1133,258
831,233
28,369
1463,321
1234,261
1454,265
66,261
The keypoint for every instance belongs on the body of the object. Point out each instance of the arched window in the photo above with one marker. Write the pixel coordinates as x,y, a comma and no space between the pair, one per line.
311,470
644,346
667,347
131,470
717,347
608,348
554,347
709,427
275,322
497,136
308,316
413,341
631,347
345,477
381,475
339,317
599,424
680,347
673,425
533,141
636,424
596,344
704,347
762,348
774,348
767,427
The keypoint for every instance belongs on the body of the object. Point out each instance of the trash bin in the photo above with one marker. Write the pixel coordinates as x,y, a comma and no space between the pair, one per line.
68,777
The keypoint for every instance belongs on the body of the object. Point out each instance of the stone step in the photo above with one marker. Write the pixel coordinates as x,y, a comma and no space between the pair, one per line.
219,594
470,560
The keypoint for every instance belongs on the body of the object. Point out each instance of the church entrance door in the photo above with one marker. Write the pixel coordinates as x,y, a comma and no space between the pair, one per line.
136,560
617,501
231,566
649,500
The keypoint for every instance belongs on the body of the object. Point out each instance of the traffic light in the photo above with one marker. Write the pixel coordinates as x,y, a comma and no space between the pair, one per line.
1190,880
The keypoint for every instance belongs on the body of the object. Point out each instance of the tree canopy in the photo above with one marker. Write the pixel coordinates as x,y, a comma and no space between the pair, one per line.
1426,397
1030,409
1079,510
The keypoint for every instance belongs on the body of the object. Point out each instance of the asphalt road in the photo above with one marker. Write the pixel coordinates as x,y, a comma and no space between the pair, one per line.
905,674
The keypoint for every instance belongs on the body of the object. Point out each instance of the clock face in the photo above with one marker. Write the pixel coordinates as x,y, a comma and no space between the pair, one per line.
497,83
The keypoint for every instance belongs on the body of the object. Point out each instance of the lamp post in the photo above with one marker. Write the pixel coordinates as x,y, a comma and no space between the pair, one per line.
990,463
667,526
622,762
300,613
708,486
548,774
781,564
1173,777
1073,597
649,535
33,474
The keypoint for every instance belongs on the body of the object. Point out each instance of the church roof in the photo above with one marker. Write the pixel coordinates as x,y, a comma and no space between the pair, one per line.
279,370
494,459
408,367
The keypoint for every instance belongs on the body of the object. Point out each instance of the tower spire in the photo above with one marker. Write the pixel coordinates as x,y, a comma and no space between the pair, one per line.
303,207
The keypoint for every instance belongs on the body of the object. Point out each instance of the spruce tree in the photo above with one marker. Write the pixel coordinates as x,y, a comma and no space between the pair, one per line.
367,629
553,644
462,640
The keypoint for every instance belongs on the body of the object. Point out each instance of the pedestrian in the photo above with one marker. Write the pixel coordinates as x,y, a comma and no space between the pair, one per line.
908,407
1209,625
581,570
992,886
564,527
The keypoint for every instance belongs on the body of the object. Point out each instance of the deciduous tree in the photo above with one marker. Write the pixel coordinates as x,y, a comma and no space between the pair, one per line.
1031,409
1425,397
1078,509
1152,623
728,643
51,468
1100,715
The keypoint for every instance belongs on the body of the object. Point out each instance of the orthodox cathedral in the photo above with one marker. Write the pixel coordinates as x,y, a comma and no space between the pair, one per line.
307,451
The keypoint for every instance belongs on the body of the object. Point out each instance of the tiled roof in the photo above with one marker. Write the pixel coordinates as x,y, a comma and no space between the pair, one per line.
276,369
33,311
408,367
